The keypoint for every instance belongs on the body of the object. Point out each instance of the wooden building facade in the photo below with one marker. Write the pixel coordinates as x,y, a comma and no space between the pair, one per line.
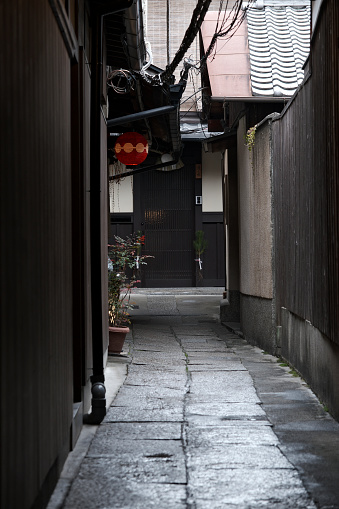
56,58
53,161
306,190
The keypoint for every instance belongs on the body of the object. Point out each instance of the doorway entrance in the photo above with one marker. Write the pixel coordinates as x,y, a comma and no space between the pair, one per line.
164,206
164,212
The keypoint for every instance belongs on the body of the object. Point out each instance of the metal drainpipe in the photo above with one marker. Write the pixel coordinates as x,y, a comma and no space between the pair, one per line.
145,168
154,112
99,10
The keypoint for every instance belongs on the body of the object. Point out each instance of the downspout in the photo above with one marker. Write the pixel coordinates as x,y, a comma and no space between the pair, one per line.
99,9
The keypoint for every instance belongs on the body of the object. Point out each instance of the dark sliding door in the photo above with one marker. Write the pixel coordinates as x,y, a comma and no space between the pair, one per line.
164,212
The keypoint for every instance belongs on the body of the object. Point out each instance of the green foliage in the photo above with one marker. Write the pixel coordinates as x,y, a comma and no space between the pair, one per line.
199,243
250,138
124,260
285,364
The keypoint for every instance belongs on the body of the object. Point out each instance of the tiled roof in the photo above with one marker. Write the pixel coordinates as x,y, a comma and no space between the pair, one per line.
279,40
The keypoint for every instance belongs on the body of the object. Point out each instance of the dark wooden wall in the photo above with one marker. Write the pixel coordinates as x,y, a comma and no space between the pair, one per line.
214,255
44,162
306,187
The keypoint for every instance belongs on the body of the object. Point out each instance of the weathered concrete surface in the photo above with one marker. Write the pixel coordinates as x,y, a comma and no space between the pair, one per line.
313,355
204,420
258,322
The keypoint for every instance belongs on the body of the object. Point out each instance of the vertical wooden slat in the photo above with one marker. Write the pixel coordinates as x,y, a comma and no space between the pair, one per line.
306,188
36,250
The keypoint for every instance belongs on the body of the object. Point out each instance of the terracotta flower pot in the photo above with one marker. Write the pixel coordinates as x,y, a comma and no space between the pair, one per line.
117,336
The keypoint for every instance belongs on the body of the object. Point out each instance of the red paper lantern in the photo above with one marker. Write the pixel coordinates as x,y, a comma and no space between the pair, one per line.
131,148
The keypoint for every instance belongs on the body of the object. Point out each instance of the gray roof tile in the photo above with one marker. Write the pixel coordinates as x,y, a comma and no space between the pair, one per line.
279,41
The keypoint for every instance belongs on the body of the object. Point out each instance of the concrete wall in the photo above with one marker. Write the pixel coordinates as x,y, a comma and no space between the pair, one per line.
256,237
255,214
257,322
314,356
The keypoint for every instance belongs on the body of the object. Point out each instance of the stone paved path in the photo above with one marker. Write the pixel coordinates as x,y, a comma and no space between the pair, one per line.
195,425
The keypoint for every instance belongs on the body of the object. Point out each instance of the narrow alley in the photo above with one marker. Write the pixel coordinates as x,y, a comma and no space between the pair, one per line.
201,419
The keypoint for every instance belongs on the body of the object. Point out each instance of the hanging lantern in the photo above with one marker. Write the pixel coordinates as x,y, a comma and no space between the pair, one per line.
131,148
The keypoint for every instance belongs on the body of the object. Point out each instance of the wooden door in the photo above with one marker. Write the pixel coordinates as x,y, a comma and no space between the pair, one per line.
164,212
214,256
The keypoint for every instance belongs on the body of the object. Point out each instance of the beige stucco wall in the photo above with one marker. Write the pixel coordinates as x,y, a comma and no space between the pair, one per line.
255,213
211,182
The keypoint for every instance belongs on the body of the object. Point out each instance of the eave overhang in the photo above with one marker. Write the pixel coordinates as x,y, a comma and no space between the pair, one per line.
221,142
126,49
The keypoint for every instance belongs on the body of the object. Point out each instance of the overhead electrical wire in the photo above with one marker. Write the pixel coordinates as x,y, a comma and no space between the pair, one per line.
190,34
227,23
229,20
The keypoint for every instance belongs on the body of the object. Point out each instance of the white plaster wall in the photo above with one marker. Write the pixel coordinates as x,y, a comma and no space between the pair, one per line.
255,214
121,195
211,182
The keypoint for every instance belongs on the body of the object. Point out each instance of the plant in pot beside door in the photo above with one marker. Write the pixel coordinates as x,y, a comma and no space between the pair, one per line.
118,319
124,257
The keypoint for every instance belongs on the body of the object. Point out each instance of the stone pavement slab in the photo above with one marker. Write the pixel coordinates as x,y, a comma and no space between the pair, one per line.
141,431
137,414
206,421
257,432
248,488
104,491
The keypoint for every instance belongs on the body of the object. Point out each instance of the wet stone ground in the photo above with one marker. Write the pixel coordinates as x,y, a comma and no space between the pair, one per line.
199,423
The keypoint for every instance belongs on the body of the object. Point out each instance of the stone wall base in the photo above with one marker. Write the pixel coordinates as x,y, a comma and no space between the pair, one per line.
314,356
230,307
257,322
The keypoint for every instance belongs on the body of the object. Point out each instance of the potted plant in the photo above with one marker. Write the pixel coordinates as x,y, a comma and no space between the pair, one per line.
118,320
124,259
